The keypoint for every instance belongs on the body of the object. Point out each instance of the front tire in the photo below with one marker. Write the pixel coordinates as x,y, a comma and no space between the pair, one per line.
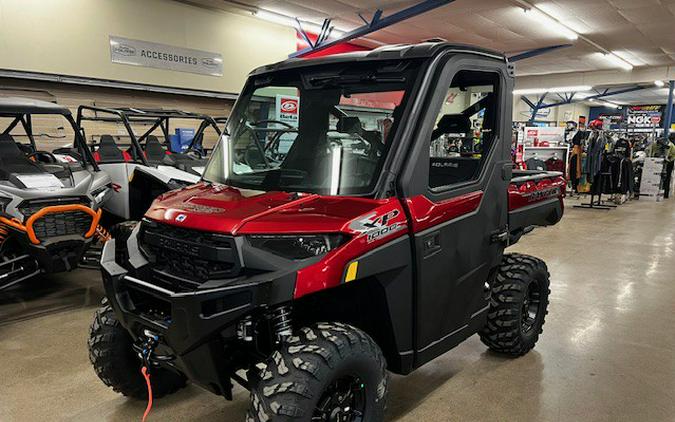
331,371
118,366
518,305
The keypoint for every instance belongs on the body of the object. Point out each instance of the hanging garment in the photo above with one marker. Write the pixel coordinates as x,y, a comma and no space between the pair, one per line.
535,164
623,148
555,164
596,147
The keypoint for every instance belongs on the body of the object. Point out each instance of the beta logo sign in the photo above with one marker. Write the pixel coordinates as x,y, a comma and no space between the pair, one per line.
288,108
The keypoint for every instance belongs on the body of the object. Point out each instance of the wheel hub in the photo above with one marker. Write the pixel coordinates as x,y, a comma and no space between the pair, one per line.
343,401
530,308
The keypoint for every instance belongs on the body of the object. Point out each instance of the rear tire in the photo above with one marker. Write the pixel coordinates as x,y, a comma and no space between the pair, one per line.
118,366
518,305
323,370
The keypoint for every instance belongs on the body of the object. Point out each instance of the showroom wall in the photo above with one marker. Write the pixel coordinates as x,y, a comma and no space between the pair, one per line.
71,37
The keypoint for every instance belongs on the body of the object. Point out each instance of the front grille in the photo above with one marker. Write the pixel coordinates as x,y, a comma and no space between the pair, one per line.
182,259
58,224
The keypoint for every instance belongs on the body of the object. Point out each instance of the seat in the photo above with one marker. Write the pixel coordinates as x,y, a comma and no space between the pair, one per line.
155,153
452,123
108,151
13,160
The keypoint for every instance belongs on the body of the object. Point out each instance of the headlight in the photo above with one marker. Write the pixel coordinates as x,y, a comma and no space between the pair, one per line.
101,193
298,246
174,184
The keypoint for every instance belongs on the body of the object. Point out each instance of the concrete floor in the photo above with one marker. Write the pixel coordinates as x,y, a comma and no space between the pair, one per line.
607,353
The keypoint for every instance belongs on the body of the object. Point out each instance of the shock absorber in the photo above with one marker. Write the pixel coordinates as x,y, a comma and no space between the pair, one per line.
281,323
102,234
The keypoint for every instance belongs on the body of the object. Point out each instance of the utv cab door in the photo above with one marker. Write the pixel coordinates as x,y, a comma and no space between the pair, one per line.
455,185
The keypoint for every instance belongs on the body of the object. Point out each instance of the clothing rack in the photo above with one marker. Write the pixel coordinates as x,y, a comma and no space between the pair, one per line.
600,204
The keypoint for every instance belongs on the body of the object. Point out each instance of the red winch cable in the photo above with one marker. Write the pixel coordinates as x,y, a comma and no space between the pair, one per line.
146,375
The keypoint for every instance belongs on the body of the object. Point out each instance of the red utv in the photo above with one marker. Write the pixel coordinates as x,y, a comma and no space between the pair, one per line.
352,221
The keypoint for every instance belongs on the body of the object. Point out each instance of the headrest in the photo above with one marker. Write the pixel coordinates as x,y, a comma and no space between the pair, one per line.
454,123
108,149
154,151
9,149
349,124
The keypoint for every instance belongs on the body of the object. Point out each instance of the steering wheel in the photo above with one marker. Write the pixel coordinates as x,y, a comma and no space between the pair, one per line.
40,156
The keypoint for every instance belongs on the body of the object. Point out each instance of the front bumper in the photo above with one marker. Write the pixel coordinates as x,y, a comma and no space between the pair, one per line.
51,239
195,328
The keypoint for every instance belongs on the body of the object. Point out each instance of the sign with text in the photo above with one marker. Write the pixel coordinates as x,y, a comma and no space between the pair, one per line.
162,56
644,116
287,110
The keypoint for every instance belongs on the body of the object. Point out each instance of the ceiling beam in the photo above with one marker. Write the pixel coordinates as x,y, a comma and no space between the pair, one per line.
376,23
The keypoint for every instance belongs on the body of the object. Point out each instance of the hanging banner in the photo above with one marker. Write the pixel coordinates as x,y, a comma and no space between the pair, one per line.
162,56
644,117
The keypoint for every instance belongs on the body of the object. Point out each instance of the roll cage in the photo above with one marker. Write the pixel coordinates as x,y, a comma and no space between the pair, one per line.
21,110
156,118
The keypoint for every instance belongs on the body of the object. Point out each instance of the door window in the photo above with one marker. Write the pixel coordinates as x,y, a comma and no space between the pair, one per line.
465,129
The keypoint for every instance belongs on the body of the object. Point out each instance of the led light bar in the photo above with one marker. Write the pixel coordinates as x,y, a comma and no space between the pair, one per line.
615,60
555,90
552,24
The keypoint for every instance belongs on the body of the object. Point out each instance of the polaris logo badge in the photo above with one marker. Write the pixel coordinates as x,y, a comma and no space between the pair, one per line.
181,217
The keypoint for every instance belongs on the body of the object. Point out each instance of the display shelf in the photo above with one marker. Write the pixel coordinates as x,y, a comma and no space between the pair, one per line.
546,153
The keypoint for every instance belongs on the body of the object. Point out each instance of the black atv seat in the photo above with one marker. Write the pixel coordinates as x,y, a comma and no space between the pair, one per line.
155,153
108,151
13,160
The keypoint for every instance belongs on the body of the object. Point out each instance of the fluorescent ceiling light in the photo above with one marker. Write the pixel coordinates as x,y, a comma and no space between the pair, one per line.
615,60
550,23
281,19
628,57
556,90
610,105
660,84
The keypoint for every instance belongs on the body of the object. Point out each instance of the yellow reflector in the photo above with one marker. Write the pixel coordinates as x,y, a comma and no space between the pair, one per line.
351,271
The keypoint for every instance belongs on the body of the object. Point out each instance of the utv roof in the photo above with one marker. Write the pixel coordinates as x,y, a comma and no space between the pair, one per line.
391,52
15,106
139,114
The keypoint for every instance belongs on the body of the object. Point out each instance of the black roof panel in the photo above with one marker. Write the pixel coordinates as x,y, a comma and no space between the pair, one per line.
21,105
399,51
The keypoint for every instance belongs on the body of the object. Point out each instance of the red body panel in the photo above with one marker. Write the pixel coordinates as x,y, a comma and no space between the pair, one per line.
228,210
528,193
426,214
369,222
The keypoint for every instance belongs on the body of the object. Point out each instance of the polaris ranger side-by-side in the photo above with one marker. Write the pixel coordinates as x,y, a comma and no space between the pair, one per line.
50,203
369,237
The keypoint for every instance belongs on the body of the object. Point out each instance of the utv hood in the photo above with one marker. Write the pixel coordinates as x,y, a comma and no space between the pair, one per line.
228,210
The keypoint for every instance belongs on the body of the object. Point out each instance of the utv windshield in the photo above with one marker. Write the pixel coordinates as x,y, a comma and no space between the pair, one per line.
324,130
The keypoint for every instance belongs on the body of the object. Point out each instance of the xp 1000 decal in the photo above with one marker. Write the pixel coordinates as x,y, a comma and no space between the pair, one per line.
378,226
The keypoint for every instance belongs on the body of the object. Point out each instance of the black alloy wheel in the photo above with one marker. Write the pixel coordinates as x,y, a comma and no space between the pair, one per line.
343,401
531,306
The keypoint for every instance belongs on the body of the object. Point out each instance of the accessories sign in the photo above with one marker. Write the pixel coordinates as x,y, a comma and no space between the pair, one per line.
162,56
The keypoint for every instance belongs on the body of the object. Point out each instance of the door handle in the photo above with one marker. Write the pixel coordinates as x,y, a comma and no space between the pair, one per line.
431,244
